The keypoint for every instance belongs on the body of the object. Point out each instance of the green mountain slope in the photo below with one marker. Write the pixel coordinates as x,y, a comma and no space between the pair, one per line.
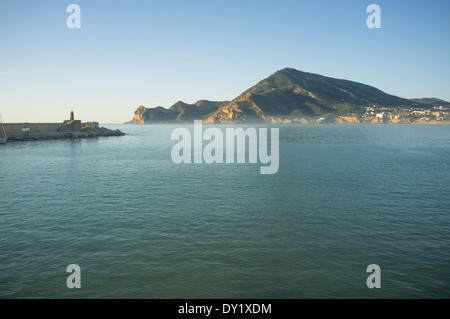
180,112
286,96
292,94
431,101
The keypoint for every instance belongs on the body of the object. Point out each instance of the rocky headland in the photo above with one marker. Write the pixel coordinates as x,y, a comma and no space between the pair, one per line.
292,96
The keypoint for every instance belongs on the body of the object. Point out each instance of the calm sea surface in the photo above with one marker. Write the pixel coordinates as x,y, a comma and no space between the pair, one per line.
140,226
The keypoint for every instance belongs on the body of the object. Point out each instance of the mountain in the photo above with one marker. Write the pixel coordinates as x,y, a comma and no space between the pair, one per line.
198,110
288,95
180,112
291,94
431,101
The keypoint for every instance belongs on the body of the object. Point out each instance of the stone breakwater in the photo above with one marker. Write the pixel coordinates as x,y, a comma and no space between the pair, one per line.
56,135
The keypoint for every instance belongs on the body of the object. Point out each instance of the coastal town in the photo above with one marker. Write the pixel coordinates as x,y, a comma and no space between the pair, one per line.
397,115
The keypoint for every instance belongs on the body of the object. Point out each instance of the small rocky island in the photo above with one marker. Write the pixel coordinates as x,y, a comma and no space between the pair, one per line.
69,129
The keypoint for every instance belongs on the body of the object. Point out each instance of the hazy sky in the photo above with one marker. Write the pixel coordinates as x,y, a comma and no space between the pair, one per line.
131,53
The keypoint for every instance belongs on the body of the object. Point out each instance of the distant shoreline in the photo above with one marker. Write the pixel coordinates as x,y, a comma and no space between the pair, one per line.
290,123
18,132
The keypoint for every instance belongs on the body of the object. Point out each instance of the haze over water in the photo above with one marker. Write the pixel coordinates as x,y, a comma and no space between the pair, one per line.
140,226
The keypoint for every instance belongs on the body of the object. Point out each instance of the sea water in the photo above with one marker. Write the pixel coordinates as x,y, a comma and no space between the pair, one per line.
140,226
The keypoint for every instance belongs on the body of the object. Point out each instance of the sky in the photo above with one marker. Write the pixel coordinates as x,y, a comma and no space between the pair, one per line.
155,53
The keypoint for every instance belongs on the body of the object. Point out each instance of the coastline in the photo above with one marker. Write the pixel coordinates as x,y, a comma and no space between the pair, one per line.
295,122
55,135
